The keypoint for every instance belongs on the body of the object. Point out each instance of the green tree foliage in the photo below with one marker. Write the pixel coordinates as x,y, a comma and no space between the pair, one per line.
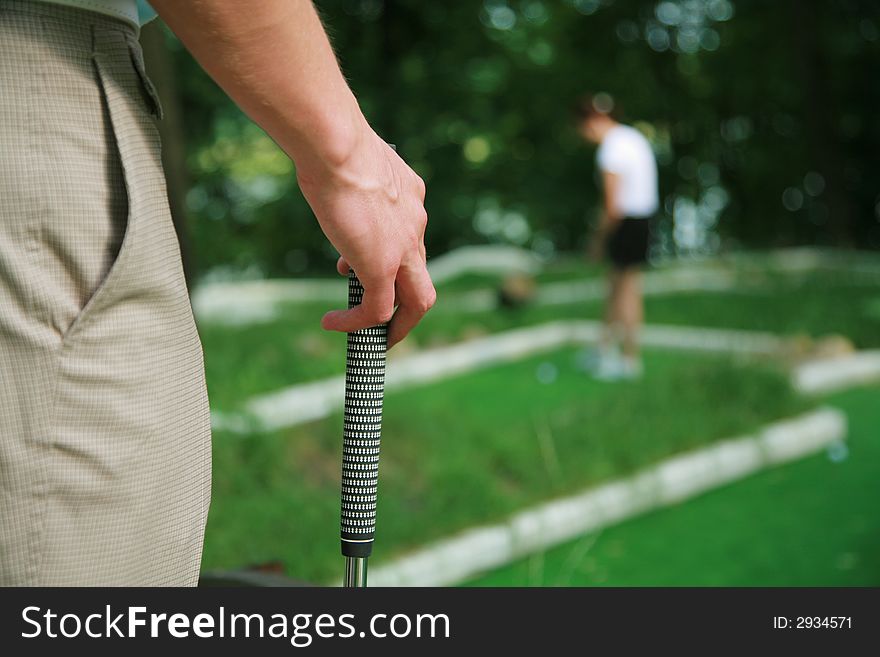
762,116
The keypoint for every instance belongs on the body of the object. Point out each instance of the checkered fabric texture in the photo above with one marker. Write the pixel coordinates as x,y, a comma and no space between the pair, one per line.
105,458
362,430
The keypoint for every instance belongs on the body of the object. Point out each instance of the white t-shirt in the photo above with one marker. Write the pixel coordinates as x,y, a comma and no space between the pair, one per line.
625,151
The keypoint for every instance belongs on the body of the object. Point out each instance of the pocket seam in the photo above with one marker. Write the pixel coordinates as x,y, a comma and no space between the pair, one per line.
137,58
84,317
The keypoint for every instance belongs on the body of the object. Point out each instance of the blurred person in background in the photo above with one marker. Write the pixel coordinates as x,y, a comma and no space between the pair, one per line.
105,432
630,199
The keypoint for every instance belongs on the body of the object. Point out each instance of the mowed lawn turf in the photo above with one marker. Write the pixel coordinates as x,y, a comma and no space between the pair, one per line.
809,523
474,449
248,360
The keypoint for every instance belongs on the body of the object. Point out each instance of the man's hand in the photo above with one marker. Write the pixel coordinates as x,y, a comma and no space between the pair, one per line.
596,248
372,210
599,239
274,59
609,217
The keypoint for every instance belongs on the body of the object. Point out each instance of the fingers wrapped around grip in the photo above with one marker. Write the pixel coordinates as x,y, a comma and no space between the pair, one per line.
401,301
374,215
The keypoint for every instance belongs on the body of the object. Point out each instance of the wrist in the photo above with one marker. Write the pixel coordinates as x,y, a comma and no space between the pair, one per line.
329,144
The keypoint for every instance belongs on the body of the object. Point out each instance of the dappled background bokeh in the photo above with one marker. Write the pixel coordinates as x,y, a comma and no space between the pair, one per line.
762,115
763,120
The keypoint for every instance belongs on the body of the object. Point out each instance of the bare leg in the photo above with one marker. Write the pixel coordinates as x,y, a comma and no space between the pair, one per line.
631,310
612,319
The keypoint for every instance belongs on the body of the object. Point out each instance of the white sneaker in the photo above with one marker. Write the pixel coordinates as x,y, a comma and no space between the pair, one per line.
618,369
632,367
590,360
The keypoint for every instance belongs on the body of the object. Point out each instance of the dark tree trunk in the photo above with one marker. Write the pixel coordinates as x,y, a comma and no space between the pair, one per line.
820,114
385,123
160,65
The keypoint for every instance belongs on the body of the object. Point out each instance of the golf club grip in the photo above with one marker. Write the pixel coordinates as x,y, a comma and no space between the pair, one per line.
362,429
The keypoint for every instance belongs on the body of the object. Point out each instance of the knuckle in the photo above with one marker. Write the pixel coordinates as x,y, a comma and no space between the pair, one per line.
382,273
428,301
419,225
389,272
380,313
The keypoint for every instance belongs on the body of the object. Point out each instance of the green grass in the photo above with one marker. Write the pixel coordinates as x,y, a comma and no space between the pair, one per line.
814,305
563,269
243,361
475,449
479,447
809,523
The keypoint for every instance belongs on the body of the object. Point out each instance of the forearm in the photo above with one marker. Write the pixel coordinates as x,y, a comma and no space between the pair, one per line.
274,59
611,215
610,211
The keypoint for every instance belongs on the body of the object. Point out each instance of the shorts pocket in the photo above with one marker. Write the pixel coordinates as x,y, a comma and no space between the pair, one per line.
114,80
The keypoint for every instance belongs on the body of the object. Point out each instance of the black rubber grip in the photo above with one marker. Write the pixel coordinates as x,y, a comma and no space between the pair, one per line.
362,430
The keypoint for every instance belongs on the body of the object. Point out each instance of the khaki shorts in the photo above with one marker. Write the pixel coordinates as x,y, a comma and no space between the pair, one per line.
105,459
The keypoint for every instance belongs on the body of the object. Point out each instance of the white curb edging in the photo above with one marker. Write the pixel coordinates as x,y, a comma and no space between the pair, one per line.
483,259
654,283
312,401
474,551
830,374
563,293
255,302
241,303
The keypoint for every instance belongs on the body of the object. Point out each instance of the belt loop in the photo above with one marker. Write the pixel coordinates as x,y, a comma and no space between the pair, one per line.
137,56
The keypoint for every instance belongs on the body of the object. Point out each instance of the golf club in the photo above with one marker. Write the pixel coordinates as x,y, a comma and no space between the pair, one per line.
362,429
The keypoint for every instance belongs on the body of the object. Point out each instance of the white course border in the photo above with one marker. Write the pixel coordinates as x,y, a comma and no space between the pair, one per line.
242,303
831,374
307,402
454,560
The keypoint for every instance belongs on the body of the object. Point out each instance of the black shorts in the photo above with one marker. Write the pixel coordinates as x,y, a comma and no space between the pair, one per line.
627,244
